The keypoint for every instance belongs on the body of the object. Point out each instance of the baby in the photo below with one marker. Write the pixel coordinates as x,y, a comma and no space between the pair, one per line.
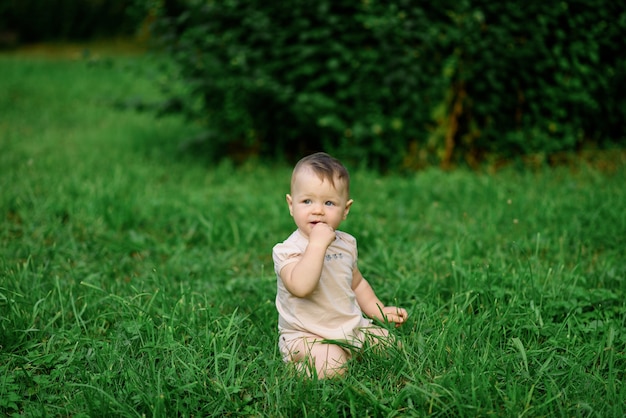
322,295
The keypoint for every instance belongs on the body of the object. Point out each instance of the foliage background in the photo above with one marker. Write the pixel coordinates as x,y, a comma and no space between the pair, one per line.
400,84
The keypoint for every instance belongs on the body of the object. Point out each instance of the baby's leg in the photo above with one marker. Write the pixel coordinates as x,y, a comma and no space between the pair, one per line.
328,359
379,338
376,334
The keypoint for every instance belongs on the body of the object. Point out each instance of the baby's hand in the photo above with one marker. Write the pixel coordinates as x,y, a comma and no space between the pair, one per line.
395,315
322,234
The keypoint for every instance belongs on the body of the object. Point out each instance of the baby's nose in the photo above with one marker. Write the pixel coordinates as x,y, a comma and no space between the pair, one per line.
318,208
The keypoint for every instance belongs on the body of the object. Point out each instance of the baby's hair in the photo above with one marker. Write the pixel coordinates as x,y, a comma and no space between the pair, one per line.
326,167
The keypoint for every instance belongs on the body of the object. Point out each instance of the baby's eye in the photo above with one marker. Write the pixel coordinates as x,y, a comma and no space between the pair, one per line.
329,203
307,201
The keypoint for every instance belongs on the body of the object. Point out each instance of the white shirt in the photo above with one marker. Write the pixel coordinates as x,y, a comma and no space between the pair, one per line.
331,311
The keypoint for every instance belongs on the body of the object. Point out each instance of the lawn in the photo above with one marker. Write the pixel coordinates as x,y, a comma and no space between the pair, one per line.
136,278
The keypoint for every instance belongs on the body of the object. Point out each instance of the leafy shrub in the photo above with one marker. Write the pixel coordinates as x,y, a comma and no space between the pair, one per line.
539,76
400,84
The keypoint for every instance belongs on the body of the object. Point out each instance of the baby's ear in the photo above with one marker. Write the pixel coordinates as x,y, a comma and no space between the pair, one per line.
347,209
289,203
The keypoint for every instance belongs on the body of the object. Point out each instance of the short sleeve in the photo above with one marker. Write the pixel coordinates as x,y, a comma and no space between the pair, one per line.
283,254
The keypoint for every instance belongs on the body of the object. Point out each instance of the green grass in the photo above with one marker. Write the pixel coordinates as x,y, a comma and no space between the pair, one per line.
136,280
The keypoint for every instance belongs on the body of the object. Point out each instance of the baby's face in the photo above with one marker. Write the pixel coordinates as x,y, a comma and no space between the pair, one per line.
313,200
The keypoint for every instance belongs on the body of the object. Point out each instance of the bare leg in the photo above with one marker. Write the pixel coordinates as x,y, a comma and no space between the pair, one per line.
379,340
328,359
377,336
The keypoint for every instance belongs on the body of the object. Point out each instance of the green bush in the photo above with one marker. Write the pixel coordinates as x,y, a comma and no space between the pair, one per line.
400,84
541,77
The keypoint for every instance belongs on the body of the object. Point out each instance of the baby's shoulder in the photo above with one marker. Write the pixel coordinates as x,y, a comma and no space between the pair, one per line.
346,238
294,242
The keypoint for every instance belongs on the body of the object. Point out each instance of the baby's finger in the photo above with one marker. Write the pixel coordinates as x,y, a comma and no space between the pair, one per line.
398,320
393,317
401,312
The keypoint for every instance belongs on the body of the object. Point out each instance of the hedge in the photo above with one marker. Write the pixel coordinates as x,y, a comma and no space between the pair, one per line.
400,84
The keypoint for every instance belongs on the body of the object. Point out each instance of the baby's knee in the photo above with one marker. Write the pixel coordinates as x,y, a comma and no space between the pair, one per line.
379,339
330,360
376,335
316,357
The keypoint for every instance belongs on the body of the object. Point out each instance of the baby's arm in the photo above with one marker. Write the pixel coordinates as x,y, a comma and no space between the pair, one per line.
371,305
301,278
